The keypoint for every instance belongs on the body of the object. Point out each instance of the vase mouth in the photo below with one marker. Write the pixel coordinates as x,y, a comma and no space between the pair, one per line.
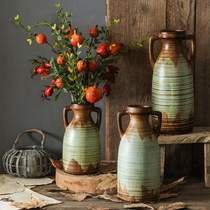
139,109
171,33
82,106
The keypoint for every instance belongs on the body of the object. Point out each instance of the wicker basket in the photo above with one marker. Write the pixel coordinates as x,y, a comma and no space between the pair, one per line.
28,161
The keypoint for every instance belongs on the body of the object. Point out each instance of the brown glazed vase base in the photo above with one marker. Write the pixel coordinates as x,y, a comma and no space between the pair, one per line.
175,131
125,197
176,127
75,168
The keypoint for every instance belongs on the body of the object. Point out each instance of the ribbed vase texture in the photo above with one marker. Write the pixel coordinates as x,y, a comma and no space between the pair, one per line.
81,145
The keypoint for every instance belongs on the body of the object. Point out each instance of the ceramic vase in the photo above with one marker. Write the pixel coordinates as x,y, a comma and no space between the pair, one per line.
138,168
172,82
81,142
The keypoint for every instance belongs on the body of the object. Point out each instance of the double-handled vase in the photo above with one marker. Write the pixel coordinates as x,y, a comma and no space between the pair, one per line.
81,142
172,82
138,167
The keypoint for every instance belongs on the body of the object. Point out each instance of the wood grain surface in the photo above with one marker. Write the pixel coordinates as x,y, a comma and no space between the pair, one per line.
202,74
180,15
138,20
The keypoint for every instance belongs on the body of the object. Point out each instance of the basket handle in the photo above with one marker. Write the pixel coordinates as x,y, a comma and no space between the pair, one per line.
30,131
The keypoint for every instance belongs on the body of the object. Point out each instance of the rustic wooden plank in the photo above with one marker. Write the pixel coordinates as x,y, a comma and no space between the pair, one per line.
198,159
207,164
202,64
180,15
162,162
202,71
139,19
198,135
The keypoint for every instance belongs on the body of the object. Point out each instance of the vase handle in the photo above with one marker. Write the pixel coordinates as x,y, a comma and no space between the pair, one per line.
159,114
98,111
151,55
119,121
65,117
192,41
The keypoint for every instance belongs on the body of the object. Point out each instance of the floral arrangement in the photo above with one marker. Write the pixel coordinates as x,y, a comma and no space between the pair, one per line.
68,71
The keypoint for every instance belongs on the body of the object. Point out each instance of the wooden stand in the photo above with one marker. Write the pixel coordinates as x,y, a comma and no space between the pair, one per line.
198,135
105,180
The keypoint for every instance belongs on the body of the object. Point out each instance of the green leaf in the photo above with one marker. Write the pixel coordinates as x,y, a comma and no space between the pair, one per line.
107,28
112,24
54,64
57,95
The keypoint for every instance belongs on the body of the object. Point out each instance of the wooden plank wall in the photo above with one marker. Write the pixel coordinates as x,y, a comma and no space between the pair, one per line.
140,19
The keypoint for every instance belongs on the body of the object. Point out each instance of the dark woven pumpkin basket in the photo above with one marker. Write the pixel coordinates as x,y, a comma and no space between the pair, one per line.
28,161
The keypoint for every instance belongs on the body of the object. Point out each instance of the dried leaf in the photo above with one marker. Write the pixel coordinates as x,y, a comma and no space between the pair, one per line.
110,197
108,181
35,203
167,195
57,164
168,186
6,200
138,206
53,190
98,208
76,197
173,206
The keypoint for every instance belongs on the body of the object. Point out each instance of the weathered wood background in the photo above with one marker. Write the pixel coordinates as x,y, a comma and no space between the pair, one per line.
140,19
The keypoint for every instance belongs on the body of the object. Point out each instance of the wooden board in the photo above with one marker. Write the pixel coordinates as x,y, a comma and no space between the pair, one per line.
202,73
180,15
92,183
83,183
198,135
139,19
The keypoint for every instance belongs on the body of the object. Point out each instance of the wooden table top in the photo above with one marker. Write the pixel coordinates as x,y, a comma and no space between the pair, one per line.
198,135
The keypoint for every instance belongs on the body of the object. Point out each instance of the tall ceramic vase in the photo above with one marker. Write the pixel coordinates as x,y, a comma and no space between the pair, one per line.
81,142
172,83
138,168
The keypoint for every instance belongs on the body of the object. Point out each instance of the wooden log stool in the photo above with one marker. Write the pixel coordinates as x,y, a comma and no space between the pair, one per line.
198,135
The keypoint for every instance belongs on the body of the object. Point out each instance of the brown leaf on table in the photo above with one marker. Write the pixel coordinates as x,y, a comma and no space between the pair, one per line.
98,208
168,186
76,197
108,181
6,200
108,167
174,206
35,203
53,190
110,197
138,206
57,164
167,195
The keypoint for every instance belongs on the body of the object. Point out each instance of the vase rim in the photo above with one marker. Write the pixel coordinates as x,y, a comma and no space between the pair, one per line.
171,33
82,106
139,109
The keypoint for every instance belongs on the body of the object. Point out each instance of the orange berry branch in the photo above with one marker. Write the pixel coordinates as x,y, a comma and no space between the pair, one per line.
69,72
